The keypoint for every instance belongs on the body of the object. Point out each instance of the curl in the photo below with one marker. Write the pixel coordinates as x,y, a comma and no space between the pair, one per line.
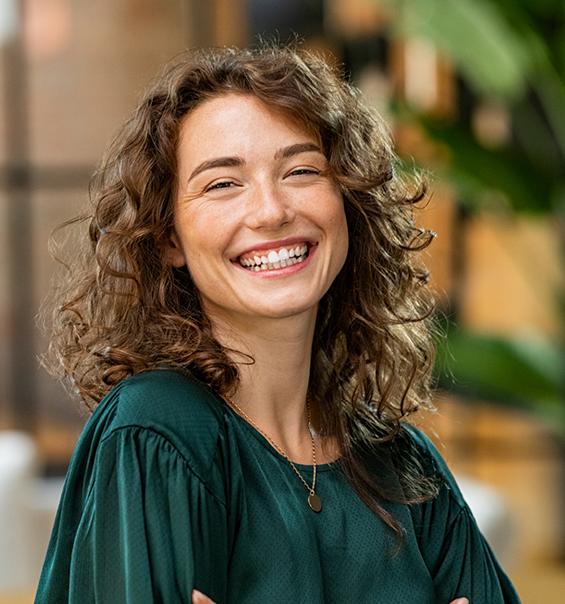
121,308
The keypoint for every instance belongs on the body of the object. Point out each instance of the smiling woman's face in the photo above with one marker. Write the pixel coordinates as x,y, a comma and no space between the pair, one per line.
259,222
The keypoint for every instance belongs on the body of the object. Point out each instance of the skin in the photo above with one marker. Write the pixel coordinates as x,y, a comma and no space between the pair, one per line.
251,181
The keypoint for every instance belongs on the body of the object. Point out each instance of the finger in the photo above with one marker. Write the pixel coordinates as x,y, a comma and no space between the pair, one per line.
460,601
199,598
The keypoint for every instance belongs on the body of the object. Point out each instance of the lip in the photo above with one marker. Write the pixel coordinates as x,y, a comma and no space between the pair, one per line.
270,245
280,272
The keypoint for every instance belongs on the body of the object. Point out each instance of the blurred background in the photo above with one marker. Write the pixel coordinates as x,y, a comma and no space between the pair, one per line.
474,90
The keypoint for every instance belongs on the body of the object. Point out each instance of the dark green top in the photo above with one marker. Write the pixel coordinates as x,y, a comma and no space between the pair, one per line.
170,490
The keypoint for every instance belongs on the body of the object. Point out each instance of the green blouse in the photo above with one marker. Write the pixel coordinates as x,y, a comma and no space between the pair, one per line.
170,490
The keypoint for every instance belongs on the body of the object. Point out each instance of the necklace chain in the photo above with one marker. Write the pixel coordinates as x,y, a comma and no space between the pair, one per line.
313,499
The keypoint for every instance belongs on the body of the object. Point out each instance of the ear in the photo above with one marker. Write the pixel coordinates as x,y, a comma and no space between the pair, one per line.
175,255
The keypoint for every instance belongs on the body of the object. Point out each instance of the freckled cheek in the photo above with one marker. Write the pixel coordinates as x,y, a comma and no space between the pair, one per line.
207,241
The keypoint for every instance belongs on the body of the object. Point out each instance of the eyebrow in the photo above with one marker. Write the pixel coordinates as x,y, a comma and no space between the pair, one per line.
297,149
230,162
217,162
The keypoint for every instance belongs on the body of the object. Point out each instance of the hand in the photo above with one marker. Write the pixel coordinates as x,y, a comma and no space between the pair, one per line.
199,598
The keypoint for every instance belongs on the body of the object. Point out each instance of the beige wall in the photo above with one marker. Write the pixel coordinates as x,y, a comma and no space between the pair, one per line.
87,63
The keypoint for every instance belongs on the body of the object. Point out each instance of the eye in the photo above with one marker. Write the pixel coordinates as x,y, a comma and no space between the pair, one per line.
223,184
301,171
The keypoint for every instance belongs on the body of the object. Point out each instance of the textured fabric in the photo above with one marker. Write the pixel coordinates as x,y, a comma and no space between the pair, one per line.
170,490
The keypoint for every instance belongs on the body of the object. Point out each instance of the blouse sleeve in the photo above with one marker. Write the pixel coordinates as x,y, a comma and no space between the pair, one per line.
458,557
150,530
463,565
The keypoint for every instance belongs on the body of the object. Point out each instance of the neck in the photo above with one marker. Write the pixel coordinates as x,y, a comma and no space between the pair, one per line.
273,389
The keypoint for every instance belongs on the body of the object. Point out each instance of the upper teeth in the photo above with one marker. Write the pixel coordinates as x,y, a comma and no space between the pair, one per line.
284,257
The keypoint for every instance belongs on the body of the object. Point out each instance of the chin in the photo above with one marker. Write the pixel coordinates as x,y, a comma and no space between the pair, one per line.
284,312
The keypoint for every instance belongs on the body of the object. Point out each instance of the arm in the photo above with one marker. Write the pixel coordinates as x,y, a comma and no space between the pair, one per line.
154,531
147,530
457,555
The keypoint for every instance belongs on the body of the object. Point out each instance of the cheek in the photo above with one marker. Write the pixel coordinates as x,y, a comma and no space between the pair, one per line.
203,242
340,228
343,243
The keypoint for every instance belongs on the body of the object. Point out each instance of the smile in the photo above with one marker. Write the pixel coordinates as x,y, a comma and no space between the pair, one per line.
285,256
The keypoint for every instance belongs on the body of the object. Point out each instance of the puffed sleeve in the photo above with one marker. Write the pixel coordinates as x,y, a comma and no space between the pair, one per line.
458,557
143,515
150,531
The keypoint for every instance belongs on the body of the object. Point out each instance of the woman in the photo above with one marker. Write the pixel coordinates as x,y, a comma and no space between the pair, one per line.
250,329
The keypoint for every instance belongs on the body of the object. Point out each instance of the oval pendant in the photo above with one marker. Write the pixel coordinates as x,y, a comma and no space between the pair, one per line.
315,502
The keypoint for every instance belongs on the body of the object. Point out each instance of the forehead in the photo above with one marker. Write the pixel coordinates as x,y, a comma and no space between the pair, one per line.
227,111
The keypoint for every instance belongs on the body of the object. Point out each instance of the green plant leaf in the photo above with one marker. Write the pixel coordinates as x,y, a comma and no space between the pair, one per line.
521,370
475,169
477,38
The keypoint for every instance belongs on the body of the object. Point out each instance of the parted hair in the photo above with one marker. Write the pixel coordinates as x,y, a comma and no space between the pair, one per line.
121,308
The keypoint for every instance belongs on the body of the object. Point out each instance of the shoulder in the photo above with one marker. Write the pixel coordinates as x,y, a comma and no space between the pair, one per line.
163,396
169,405
414,440
449,496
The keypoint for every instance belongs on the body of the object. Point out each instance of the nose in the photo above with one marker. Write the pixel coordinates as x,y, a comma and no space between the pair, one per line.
269,207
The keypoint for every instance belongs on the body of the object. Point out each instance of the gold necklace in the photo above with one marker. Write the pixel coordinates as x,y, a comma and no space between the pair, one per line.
313,500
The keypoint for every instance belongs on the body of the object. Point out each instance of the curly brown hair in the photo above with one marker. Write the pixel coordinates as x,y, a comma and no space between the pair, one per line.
124,309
